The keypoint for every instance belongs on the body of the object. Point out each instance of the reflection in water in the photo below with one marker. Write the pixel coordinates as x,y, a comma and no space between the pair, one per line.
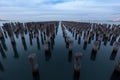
56,28
5,33
48,33
76,75
105,42
42,41
109,38
76,36
52,42
25,29
115,50
91,37
2,52
48,55
70,50
79,40
53,39
85,45
70,46
89,40
1,34
115,75
16,55
38,42
111,42
47,50
1,67
17,34
30,38
36,76
77,66
24,43
4,45
44,36
67,45
113,55
70,56
93,55
73,34
34,64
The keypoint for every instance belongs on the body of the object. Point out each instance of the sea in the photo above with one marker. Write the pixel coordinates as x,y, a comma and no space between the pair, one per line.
58,65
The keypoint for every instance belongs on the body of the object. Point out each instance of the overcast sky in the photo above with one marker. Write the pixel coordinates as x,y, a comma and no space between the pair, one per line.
59,9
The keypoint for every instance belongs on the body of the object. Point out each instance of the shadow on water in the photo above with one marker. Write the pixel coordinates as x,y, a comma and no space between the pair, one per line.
34,64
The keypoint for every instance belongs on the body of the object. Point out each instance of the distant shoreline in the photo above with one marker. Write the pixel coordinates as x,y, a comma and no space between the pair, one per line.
112,21
4,20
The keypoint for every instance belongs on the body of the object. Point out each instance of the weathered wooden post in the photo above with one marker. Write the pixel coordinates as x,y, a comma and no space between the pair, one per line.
116,47
118,66
113,39
67,41
77,65
46,47
34,64
90,37
96,47
70,46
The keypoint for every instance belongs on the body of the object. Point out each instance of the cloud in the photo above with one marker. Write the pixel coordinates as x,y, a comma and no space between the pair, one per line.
59,9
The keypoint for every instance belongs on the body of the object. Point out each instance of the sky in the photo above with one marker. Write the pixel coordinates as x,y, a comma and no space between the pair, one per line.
59,9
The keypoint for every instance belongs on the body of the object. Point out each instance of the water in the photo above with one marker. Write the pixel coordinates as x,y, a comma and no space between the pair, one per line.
59,65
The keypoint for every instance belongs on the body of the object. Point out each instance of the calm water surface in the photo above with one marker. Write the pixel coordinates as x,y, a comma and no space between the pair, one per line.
14,63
